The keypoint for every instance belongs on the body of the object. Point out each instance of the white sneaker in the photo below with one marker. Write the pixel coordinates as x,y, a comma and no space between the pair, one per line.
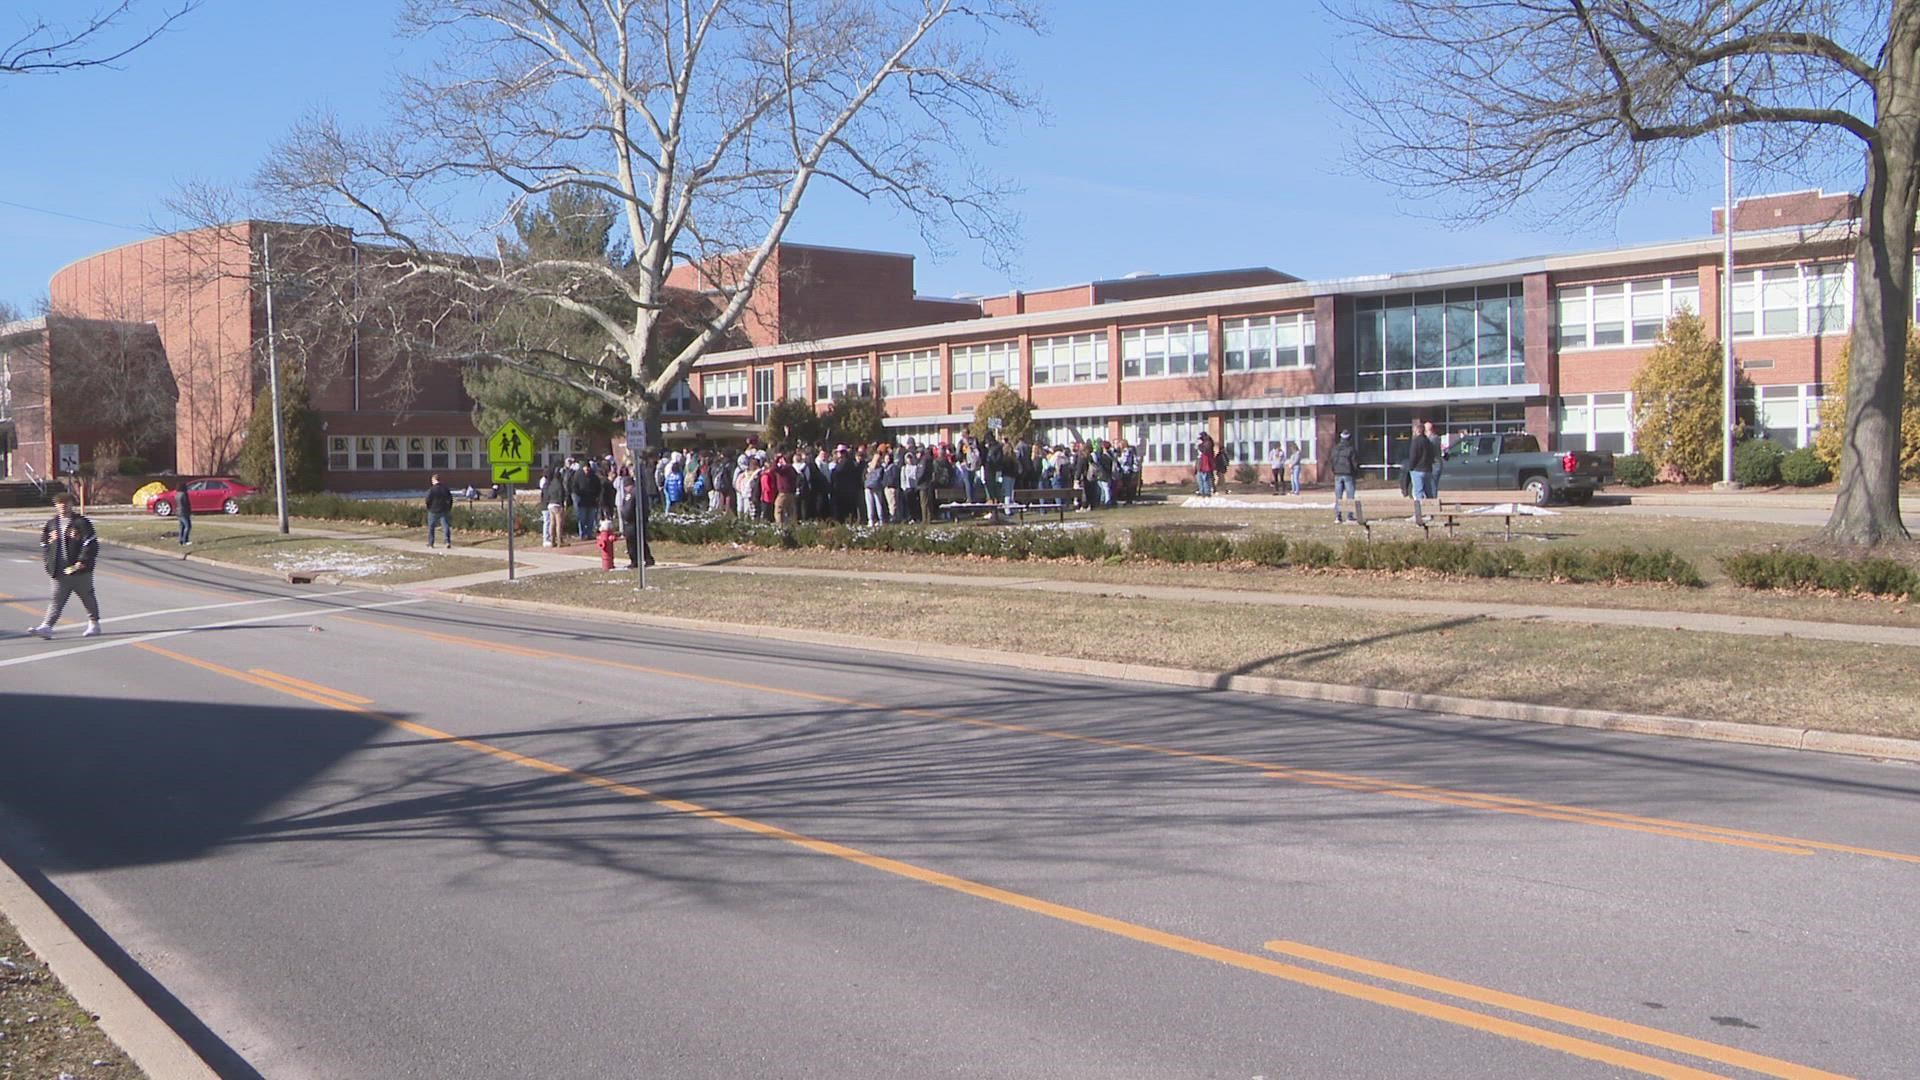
93,629
41,631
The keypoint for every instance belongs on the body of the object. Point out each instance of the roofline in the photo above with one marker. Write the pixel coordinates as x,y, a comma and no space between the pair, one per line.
23,327
1007,326
842,250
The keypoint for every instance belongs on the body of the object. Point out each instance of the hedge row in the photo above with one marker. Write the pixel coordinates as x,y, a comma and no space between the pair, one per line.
1798,570
1015,543
1164,543
1454,558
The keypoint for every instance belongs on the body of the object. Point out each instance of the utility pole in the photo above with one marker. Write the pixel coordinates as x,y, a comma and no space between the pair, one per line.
273,390
1728,371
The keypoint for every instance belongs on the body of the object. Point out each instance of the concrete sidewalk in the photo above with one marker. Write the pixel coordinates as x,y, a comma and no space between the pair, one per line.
534,560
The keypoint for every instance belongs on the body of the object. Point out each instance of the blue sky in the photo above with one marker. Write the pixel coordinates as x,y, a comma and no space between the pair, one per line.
1181,137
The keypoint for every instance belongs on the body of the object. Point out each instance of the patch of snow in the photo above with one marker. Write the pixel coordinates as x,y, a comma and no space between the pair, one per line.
343,563
1516,509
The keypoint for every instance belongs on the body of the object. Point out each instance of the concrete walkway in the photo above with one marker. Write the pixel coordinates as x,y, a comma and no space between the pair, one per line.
534,560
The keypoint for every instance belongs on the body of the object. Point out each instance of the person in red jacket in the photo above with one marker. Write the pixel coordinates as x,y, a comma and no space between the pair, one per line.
786,483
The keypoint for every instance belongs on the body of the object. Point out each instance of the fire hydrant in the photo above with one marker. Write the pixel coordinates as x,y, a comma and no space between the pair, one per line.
605,543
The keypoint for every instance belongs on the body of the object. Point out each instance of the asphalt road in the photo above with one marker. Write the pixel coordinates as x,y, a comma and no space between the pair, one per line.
362,834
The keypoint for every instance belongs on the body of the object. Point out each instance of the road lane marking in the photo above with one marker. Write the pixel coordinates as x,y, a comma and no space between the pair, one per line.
42,656
1193,947
1683,830
1559,1014
314,688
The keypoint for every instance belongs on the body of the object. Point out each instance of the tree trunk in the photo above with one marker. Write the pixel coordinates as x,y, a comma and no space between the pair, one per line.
1866,512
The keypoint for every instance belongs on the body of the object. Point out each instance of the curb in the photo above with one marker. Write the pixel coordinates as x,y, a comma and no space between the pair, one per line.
155,1047
1791,738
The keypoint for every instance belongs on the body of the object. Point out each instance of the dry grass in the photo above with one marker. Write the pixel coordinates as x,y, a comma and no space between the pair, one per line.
42,1032
1721,598
1834,686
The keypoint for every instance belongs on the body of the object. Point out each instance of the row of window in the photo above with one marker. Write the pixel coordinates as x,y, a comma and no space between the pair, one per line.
1174,351
1602,315
1804,300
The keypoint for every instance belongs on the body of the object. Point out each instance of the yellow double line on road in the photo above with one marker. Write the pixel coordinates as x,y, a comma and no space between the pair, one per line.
1401,1000
1503,804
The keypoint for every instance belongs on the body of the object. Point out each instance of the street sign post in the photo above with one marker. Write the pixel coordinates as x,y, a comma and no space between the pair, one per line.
636,449
510,453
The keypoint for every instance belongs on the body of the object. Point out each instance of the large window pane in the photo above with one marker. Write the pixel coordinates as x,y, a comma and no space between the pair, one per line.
1609,315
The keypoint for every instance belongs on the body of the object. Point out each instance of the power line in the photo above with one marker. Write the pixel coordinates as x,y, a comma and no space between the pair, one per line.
75,217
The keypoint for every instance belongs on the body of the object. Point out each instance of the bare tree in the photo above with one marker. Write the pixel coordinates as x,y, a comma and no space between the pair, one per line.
112,377
704,121
42,46
1514,101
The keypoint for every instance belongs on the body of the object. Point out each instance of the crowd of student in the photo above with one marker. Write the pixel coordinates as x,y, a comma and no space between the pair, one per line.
872,485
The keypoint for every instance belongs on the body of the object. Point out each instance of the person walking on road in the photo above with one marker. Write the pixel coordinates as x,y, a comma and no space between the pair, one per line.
439,510
70,549
1344,463
183,508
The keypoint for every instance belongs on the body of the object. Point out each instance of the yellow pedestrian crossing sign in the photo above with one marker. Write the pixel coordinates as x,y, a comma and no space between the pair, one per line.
510,445
510,472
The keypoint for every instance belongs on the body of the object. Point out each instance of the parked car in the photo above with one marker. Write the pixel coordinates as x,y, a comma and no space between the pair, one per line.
220,493
1515,462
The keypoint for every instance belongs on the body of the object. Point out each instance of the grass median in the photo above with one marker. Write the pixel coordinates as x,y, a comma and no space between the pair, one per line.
43,1033
347,560
1785,682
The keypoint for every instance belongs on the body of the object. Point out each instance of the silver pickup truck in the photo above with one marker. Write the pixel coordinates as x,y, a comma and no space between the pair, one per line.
1515,462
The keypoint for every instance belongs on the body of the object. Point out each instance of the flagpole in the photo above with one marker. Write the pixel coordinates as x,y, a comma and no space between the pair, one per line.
1726,320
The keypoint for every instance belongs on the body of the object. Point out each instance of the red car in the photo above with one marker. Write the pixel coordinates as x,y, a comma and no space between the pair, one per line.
206,496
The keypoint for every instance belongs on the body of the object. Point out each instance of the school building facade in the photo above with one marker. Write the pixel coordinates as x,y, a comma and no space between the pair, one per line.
1253,356
1548,345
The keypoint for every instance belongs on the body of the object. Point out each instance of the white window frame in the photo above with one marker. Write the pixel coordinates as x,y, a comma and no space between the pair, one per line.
724,391
1170,351
981,366
1168,438
910,374
1058,431
1577,310
1265,342
1800,401
1250,433
833,377
1069,358
1792,292
1577,420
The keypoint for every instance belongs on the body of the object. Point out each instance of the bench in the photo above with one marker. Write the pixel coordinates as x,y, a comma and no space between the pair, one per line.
1463,509
952,501
1054,499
